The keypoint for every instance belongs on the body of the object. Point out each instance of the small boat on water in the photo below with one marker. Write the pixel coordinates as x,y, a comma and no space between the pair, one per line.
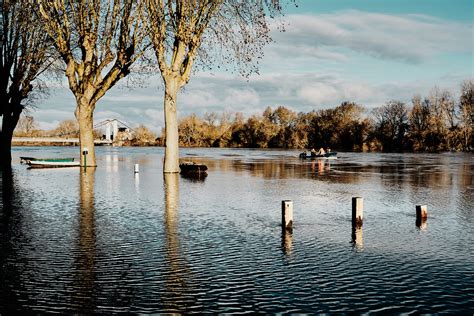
192,168
52,164
49,162
26,160
304,155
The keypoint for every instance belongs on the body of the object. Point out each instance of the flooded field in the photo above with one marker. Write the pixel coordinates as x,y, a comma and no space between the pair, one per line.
108,241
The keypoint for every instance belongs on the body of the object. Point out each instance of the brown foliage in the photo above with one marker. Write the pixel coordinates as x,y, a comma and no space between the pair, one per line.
431,124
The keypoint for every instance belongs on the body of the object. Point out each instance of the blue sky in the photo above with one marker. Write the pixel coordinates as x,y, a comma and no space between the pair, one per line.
366,51
459,10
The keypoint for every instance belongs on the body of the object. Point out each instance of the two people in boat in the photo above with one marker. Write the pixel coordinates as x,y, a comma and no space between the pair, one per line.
320,152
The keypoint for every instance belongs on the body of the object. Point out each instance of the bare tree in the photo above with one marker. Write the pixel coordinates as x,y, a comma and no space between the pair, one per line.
26,126
23,58
99,41
418,120
68,128
226,32
391,124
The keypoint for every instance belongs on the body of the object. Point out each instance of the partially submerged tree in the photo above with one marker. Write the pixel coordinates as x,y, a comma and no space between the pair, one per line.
99,41
184,32
23,58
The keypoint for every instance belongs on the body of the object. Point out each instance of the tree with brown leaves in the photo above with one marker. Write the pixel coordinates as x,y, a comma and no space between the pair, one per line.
466,110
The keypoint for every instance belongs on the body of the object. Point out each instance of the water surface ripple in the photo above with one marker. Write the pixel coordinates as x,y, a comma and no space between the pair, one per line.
108,241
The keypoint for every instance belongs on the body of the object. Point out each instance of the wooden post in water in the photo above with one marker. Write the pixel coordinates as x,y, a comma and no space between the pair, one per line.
287,214
357,238
357,211
421,212
286,241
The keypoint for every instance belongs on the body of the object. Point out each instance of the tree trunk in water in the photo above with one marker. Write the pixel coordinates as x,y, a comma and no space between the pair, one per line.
5,149
171,128
8,126
85,118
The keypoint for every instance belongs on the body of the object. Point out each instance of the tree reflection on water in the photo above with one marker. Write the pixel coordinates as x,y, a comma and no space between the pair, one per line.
176,278
86,254
7,272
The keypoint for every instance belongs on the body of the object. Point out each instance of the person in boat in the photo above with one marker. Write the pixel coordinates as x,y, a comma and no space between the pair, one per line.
313,152
321,152
303,154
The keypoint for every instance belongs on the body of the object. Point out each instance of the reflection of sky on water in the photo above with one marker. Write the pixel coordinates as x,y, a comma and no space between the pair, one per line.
109,240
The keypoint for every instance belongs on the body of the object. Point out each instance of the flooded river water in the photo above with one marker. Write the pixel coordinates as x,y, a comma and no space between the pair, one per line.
108,241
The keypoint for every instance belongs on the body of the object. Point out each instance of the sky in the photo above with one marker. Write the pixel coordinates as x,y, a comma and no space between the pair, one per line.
364,51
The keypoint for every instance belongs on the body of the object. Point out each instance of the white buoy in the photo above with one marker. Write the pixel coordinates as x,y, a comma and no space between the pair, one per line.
137,168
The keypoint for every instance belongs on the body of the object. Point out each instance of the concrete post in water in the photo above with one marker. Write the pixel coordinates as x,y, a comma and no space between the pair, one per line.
287,214
357,237
357,211
136,170
421,216
421,223
286,241
421,212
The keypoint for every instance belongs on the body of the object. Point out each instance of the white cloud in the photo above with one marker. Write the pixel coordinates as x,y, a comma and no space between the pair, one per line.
52,114
193,97
155,116
239,97
318,93
119,96
409,38
100,115
48,125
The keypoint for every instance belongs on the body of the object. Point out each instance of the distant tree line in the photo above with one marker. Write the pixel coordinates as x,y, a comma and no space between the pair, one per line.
434,123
